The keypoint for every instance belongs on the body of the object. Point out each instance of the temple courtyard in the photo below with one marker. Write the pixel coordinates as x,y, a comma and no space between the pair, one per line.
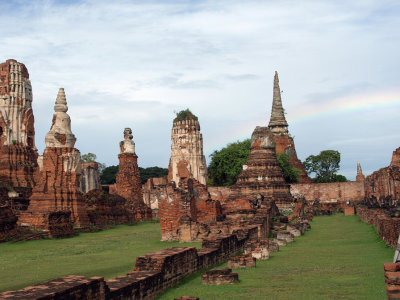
341,257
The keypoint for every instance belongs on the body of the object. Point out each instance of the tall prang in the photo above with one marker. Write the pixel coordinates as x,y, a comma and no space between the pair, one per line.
279,127
60,171
187,158
18,154
360,176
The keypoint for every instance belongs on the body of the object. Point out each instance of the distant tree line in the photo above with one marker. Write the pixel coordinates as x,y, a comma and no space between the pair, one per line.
109,174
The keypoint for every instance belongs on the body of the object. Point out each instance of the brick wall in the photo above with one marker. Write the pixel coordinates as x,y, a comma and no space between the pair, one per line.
153,273
330,192
388,228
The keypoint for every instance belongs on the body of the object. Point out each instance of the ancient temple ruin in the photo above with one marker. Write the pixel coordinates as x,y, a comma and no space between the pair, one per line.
58,187
261,180
360,176
18,154
128,184
187,158
279,128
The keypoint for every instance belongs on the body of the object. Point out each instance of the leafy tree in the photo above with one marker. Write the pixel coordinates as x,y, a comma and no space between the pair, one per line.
108,175
325,166
146,173
89,157
226,164
290,173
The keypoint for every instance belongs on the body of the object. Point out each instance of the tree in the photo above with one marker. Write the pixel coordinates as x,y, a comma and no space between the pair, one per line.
108,175
91,157
325,166
290,173
226,164
151,172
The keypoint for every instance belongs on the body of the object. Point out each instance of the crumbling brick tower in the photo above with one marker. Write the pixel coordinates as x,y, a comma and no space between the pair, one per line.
128,183
18,154
279,127
60,170
187,158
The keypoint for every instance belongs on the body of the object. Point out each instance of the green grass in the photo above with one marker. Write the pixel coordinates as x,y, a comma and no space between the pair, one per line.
340,258
105,253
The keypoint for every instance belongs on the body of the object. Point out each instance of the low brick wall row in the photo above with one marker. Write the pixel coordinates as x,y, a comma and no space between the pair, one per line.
153,273
389,228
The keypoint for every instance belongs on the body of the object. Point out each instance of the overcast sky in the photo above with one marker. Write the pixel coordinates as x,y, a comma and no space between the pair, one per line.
133,63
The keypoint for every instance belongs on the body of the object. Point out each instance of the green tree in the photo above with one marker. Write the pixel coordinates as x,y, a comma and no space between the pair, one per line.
226,164
89,157
151,172
325,166
108,175
290,173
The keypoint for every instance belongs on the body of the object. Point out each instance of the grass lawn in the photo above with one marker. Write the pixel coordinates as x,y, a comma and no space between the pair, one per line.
339,258
106,253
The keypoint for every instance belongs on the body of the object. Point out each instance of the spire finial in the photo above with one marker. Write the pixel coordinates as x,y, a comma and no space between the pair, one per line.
277,122
61,101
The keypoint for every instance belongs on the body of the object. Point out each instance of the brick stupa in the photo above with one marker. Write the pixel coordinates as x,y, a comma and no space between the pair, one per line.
279,127
18,154
261,180
187,158
60,170
128,184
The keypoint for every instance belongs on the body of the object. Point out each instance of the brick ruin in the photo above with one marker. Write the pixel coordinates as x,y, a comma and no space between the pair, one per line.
58,186
150,191
261,180
187,158
128,184
18,154
279,128
384,184
90,177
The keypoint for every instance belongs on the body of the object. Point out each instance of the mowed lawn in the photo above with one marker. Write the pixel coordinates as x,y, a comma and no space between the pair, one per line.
339,258
106,253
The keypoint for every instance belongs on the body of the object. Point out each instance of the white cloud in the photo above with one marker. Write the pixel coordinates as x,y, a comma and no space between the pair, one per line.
136,62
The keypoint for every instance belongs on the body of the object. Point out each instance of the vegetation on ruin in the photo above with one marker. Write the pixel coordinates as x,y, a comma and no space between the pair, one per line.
325,166
339,258
107,253
226,164
109,174
183,114
91,157
290,173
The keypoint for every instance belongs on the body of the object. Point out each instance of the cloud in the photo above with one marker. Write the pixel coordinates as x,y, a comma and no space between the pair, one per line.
125,62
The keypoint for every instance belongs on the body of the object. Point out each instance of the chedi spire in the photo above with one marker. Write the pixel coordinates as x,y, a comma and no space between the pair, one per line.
277,122
60,134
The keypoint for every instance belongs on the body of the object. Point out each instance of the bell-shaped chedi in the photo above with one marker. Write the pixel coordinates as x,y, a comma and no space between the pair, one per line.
360,176
187,158
128,184
261,180
279,127
60,171
18,155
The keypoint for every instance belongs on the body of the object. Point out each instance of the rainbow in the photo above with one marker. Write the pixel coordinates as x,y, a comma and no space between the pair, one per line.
310,111
346,104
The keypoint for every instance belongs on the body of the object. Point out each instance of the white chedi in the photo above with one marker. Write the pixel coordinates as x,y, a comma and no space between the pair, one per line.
60,134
